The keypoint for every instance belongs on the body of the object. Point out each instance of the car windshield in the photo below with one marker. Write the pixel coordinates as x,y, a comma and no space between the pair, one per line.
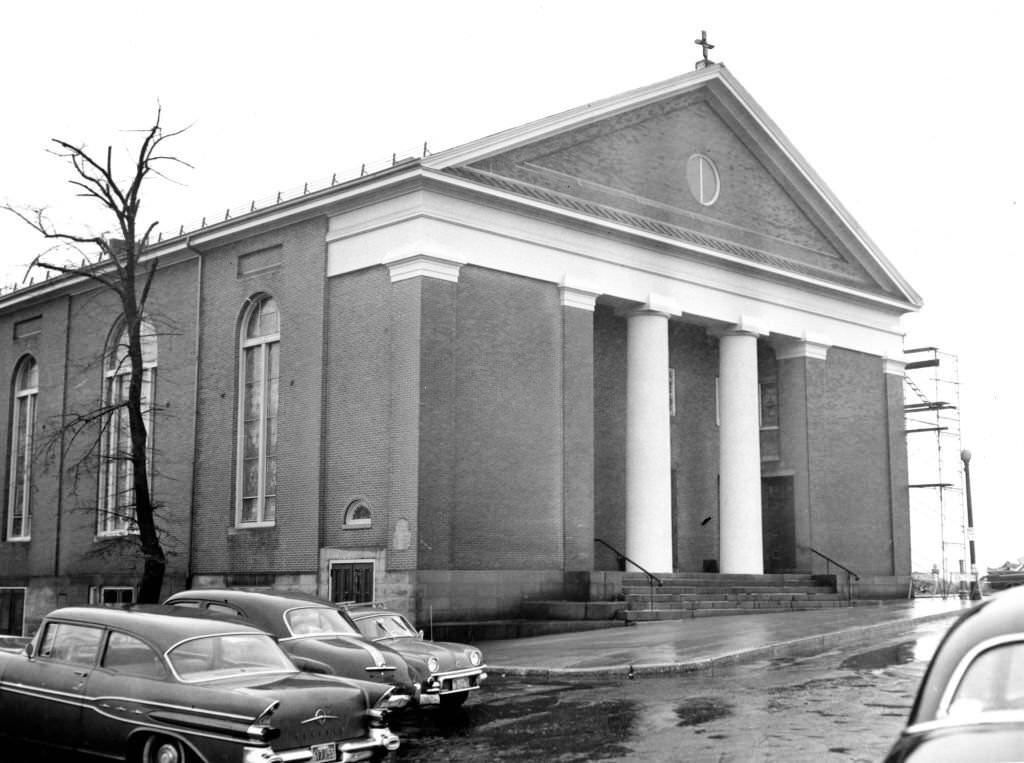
227,655
386,626
994,681
317,621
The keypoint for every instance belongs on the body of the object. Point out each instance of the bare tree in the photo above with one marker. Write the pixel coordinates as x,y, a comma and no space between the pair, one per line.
119,264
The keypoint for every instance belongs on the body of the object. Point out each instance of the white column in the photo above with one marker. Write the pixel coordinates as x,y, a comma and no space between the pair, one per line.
648,453
739,454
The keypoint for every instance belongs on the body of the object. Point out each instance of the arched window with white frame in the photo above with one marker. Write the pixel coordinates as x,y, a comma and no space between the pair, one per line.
23,424
116,513
259,371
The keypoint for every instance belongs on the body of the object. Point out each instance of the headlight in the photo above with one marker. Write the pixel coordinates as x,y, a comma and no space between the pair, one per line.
433,665
475,658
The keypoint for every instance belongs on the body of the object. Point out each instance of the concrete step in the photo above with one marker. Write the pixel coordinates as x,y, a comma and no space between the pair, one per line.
712,593
713,578
777,604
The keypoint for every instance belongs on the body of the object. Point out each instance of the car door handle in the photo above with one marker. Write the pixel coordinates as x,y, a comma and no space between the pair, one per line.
81,673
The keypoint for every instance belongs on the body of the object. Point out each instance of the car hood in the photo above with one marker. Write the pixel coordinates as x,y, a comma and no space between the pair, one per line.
449,656
349,656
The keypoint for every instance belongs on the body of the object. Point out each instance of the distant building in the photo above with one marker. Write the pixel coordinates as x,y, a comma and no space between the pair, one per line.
645,321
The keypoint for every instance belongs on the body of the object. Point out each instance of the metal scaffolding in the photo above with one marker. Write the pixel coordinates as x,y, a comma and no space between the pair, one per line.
938,528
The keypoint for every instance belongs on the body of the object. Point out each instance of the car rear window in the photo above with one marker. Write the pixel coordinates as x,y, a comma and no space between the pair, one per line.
223,656
317,621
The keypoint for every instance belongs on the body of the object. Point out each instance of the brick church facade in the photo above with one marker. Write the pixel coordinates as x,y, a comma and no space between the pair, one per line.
645,321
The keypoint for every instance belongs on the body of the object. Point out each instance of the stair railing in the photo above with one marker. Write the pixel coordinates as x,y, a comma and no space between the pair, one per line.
850,574
620,557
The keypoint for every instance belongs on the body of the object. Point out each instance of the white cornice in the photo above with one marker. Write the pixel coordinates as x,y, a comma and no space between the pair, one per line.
551,209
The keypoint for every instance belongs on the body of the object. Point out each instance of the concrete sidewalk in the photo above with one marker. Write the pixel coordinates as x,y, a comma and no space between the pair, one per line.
703,643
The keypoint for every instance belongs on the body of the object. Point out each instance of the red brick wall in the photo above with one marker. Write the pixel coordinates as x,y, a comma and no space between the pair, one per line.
609,434
69,347
508,500
851,517
438,413
578,437
357,459
297,283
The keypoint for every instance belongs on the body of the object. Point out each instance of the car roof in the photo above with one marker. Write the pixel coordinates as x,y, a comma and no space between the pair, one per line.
358,612
280,600
161,630
998,615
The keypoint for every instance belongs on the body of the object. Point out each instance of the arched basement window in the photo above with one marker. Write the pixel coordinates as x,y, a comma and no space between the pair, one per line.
358,514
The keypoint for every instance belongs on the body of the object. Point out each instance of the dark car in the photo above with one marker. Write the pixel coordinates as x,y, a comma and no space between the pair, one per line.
455,669
313,633
970,705
138,686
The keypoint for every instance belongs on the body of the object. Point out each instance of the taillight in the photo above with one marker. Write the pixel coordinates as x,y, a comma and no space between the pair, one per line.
260,729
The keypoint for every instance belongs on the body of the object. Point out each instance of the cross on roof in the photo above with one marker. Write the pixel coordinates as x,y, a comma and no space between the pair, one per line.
706,46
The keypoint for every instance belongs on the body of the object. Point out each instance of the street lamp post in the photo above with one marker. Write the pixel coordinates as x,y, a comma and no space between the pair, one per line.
965,456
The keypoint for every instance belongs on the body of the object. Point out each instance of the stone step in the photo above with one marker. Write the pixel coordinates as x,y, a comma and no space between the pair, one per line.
653,615
662,599
714,578
639,604
722,590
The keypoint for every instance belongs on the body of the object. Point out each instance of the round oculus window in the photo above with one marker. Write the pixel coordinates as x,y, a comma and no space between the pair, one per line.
702,177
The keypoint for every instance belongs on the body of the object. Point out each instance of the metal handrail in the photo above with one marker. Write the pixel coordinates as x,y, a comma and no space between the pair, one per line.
621,557
850,574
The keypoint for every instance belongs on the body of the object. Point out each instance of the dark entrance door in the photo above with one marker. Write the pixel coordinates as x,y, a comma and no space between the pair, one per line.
352,582
12,609
777,528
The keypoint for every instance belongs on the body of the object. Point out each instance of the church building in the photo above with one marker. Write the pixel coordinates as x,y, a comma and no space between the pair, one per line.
642,328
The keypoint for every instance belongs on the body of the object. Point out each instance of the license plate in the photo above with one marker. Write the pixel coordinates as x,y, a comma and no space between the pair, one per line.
460,683
324,753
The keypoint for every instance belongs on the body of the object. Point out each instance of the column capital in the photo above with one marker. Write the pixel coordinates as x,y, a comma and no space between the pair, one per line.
746,325
656,304
815,348
894,366
579,295
425,265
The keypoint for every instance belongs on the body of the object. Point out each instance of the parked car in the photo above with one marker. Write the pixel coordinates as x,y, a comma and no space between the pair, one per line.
970,705
455,669
314,634
151,688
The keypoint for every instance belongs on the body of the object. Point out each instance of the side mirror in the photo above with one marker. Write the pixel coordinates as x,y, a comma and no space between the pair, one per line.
29,649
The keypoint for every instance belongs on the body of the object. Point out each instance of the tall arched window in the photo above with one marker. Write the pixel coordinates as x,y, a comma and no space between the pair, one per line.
23,424
117,493
257,417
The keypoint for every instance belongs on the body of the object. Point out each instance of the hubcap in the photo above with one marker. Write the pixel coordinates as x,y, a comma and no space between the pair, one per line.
167,753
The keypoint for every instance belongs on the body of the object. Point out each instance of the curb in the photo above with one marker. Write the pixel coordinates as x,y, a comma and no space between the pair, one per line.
805,646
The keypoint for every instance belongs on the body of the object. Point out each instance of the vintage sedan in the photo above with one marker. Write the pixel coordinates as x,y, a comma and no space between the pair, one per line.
316,637
970,705
151,688
455,669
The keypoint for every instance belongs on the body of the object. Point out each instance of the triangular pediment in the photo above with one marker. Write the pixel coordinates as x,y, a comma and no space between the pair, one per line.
624,161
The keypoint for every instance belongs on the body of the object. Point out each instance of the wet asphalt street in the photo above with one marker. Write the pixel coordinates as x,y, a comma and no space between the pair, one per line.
844,705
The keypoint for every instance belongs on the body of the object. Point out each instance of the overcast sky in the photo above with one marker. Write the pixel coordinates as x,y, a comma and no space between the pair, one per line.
909,111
